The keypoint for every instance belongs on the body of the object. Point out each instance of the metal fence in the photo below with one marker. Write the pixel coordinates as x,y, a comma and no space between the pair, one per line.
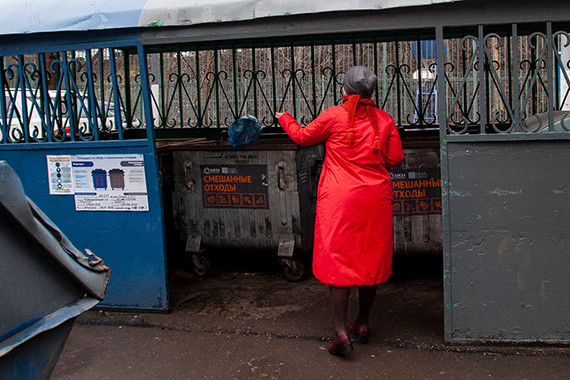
511,80
496,80
215,87
70,95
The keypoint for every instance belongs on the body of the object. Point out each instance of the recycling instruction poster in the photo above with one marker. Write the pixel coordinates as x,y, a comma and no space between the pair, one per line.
101,182
60,178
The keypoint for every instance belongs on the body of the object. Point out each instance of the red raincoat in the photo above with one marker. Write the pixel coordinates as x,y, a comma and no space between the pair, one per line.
353,229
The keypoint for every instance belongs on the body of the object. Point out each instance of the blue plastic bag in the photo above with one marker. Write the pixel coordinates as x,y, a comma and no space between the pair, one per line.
244,130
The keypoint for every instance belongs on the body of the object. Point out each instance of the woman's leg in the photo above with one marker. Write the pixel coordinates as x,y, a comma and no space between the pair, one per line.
366,296
339,301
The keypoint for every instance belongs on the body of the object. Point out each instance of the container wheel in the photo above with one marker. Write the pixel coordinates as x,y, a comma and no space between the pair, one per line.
295,272
201,266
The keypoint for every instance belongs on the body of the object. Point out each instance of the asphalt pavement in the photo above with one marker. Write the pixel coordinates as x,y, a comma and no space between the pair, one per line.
245,322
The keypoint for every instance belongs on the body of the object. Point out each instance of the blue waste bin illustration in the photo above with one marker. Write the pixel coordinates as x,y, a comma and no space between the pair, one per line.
99,179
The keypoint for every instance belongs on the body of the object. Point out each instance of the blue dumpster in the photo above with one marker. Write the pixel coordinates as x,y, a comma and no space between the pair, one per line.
45,284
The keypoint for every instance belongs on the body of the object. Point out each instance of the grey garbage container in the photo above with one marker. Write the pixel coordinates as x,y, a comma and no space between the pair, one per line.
45,284
417,203
257,196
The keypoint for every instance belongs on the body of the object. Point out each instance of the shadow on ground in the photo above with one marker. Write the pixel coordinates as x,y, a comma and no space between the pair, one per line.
247,289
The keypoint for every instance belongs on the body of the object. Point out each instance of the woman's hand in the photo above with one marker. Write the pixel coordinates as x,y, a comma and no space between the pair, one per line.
279,114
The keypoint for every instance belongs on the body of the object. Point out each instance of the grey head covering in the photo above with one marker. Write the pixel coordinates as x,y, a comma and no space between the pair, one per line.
360,80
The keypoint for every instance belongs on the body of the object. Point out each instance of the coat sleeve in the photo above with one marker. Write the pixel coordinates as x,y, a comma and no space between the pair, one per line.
394,152
314,133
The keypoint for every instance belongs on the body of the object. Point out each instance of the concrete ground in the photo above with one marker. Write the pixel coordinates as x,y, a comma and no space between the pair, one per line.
248,322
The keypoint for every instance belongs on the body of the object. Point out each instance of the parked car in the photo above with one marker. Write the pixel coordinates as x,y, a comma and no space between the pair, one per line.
53,113
539,122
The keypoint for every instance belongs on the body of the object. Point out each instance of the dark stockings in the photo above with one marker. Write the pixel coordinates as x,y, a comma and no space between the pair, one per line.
339,301
366,296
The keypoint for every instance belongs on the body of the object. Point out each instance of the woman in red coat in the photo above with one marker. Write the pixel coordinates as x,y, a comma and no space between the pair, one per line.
353,229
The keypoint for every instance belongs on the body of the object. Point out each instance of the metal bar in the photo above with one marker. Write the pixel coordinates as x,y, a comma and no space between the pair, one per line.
45,99
128,105
509,76
200,121
489,67
533,83
442,90
446,225
420,93
146,96
384,64
74,109
217,83
91,89
73,127
398,77
294,75
235,76
162,122
557,71
254,79
561,73
515,75
153,76
498,137
86,144
24,105
314,80
375,57
482,92
465,100
5,126
274,82
353,52
102,84
550,68
179,85
116,93
335,91
73,75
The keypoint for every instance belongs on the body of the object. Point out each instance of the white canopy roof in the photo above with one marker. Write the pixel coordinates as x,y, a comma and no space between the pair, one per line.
35,16
184,12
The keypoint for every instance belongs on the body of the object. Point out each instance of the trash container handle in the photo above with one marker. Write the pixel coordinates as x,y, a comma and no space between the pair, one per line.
281,176
188,179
